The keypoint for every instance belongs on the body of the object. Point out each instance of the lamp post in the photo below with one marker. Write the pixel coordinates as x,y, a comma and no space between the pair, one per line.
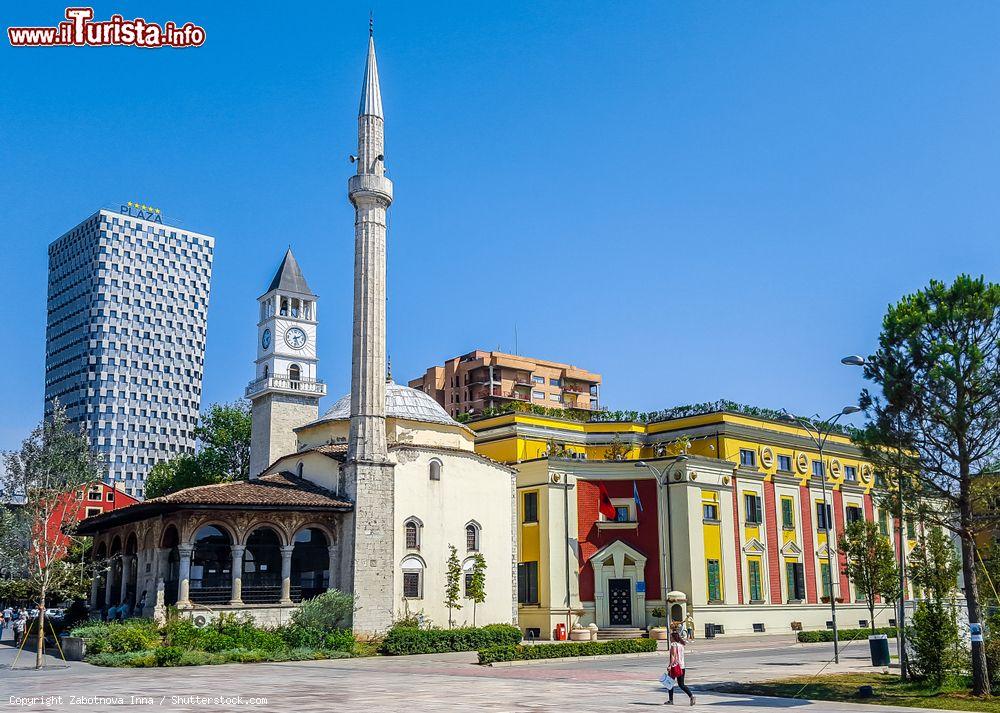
856,360
663,478
819,433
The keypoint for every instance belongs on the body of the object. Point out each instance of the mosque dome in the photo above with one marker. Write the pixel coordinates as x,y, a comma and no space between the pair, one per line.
400,402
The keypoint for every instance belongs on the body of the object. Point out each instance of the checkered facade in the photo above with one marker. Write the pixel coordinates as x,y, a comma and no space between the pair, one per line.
125,338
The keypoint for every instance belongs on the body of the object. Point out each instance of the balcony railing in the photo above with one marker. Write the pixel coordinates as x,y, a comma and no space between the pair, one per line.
283,383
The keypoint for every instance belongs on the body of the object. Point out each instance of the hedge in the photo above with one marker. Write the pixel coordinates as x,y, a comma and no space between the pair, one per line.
403,641
172,656
494,654
815,637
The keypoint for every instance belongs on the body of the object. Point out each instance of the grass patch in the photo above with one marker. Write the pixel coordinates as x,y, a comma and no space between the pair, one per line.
889,691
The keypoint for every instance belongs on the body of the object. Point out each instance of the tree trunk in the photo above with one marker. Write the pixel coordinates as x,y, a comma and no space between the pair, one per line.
871,611
40,651
980,677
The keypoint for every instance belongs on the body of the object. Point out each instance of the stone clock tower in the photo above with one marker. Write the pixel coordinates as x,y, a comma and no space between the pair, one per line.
285,392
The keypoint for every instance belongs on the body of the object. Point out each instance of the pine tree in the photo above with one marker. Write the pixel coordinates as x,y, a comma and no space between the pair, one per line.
453,583
477,585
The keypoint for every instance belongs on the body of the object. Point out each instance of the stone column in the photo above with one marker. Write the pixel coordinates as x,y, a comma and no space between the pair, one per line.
93,591
331,579
127,562
184,576
286,573
109,580
237,574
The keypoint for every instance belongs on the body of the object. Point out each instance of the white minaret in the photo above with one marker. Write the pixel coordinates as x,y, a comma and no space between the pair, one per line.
368,473
285,391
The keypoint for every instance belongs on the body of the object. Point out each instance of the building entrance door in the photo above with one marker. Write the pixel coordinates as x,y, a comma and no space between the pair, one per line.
620,602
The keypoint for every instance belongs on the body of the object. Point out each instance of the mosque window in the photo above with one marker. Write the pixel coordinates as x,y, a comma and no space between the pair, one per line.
435,469
413,578
298,470
472,537
411,530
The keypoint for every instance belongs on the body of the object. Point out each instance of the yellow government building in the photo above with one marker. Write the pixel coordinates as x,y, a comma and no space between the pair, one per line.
714,513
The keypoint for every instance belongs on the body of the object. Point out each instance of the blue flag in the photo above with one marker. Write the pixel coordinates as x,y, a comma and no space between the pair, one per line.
635,496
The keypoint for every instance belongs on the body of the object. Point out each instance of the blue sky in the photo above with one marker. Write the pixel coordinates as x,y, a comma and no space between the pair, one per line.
698,200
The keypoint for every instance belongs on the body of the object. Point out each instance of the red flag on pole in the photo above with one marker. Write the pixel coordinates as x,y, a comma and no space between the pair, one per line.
604,504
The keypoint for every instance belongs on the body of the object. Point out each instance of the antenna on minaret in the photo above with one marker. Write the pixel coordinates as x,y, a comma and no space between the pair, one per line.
388,369
371,23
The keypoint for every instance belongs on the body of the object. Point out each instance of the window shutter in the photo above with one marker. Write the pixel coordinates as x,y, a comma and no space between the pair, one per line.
800,581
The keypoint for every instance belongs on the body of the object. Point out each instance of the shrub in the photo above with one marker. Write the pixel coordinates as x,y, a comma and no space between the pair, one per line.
823,635
933,643
329,610
993,647
296,636
494,654
200,658
402,641
168,655
137,659
119,637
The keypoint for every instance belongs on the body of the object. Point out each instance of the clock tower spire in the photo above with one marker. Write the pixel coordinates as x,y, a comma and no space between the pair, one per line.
285,391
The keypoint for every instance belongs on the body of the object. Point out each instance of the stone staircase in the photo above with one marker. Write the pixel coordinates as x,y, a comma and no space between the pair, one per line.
620,632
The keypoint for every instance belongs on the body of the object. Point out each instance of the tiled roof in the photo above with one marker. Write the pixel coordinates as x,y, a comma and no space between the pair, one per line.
271,492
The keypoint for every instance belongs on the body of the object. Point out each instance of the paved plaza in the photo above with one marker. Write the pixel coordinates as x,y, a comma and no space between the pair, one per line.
435,682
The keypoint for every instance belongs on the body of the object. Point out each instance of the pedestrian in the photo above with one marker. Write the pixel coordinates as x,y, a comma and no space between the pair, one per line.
19,621
677,667
689,625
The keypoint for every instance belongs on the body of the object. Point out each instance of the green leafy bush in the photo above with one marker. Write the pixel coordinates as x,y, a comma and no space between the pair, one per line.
993,648
168,655
933,643
136,659
815,637
124,637
403,641
493,654
329,610
200,658
308,637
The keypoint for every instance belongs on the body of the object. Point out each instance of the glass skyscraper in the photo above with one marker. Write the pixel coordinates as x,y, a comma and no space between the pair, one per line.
125,337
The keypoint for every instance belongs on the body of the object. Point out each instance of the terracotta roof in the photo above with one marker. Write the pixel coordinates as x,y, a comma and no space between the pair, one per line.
271,492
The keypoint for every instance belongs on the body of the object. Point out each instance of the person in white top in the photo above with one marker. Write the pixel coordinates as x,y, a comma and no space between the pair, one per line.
677,666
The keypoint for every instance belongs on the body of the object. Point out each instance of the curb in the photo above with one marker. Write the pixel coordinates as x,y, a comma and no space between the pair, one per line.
600,657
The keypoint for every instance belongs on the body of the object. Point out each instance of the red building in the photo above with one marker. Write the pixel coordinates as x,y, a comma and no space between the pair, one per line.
84,502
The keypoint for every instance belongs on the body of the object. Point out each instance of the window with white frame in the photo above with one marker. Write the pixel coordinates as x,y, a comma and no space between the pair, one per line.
411,533
435,469
850,473
472,537
413,578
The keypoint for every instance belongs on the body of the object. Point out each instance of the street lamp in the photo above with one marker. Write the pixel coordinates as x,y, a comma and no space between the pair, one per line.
819,433
663,478
856,360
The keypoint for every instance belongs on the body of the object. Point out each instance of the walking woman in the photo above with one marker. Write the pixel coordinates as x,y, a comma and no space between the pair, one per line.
677,666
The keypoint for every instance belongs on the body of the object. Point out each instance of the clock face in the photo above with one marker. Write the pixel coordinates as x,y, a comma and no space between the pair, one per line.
265,339
295,338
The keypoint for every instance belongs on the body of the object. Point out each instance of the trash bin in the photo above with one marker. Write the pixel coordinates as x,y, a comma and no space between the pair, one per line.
879,645
709,631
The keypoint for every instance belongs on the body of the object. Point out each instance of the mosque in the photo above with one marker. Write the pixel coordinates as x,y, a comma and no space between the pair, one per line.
368,498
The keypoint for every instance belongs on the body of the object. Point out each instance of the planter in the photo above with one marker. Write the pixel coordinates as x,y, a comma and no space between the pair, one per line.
579,635
74,647
660,633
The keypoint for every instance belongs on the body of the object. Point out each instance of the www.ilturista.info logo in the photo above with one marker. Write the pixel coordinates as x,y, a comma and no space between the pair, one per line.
80,30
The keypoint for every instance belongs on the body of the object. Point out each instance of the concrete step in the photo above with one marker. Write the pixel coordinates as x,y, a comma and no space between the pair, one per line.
621,632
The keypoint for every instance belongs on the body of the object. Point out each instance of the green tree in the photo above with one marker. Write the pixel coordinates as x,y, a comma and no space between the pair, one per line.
477,585
54,461
224,432
453,583
224,454
938,367
869,562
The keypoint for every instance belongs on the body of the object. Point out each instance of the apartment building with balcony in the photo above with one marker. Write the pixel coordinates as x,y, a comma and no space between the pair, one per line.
479,380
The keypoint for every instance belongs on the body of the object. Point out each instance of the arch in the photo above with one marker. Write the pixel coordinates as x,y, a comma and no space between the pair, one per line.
116,545
294,372
267,371
131,544
473,532
467,566
310,563
413,568
170,537
434,468
211,565
412,532
299,468
262,566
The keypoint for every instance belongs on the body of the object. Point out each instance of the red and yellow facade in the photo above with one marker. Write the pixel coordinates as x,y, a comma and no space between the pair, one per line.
732,530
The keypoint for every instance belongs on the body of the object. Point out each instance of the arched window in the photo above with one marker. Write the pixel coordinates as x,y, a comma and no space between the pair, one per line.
262,567
294,372
472,537
298,470
310,564
211,566
435,469
413,578
467,568
265,371
411,533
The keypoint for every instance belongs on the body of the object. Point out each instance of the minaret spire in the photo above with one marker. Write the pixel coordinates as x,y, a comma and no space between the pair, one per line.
368,472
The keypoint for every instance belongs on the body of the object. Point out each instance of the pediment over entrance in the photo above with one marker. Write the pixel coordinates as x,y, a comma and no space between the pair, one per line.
619,555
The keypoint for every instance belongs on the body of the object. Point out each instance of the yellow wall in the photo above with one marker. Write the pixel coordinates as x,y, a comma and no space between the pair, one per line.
713,541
